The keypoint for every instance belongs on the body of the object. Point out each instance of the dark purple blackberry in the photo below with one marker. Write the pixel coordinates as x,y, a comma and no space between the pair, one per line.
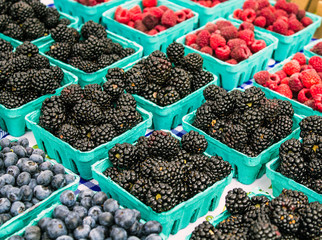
124,119
104,61
237,201
292,166
33,29
87,112
53,113
311,124
126,179
39,8
151,92
142,148
14,31
250,152
250,98
123,155
28,49
114,87
194,143
299,199
164,171
68,133
218,129
77,49
204,117
159,54
315,168
117,48
115,73
200,162
262,229
101,98
204,231
51,18
6,71
233,226
103,134
60,51
212,92
19,83
217,168
58,73
126,100
312,146
62,33
175,52
281,127
290,146
167,96
83,65
286,107
200,79
158,70
92,48
252,119
236,137
140,188
316,185
261,139
198,182
91,28
84,144
163,144
270,109
5,46
72,94
44,82
286,220
181,81
20,11
127,52
193,62
259,206
39,61
223,105
10,100
112,172
135,82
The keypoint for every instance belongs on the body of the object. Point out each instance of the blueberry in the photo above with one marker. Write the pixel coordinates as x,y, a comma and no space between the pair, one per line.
28,204
99,198
23,142
20,151
26,192
5,205
153,236
69,178
65,237
39,152
133,238
13,170
29,166
94,212
81,211
152,227
36,158
29,151
58,181
72,220
23,178
56,228
42,223
68,198
5,142
45,166
103,229
14,194
14,143
96,234
15,237
58,168
9,179
106,219
32,233
5,189
4,217
1,163
17,208
118,233
35,200
61,212
82,232
33,183
45,177
111,205
86,202
85,193
2,182
137,214
125,218
42,192
10,159
20,162
136,228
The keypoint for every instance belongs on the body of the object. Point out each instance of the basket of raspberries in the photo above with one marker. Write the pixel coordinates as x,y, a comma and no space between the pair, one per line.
29,183
244,127
291,215
314,48
169,86
298,80
231,50
30,21
299,165
90,51
154,24
165,177
84,123
89,215
26,79
293,27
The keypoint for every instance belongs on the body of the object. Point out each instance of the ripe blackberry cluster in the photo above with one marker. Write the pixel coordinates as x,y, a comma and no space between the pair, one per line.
161,173
302,161
86,118
25,75
288,216
88,50
246,121
28,20
165,80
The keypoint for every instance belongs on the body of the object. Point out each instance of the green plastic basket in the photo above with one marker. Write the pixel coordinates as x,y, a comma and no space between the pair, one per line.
97,77
173,220
13,120
159,41
288,45
307,49
16,223
207,14
41,41
233,75
279,181
85,13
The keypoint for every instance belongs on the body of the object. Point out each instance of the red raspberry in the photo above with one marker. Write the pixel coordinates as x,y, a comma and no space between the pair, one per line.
260,21
169,19
241,53
300,57
138,24
160,28
317,48
280,13
207,50
285,80
301,14
257,45
130,24
273,81
285,19
195,46
237,42
316,63
311,103
117,11
232,61
284,90
290,32
292,67
292,8
181,16
280,27
190,39
316,92
203,38
153,32
250,4
306,67
320,74
292,17
295,82
281,4
295,25
247,35
156,11
248,15
211,27
164,8
223,53
262,77
223,23
149,3
318,106
229,32
269,15
304,95
246,25
135,10
281,74
146,10
237,13
310,77
263,3
270,28
215,3
150,21
188,12
123,16
135,17
217,41
306,21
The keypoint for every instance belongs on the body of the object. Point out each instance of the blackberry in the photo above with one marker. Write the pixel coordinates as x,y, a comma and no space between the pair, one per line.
18,83
316,185
250,152
39,8
117,48
127,52
250,98
290,146
125,119
286,236
261,139
10,100
20,63
126,100
270,109
197,182
114,87
164,171
112,172
158,69
175,52
4,20
252,119
13,30
52,113
93,48
20,11
236,137
28,49
51,18
5,56
4,6
135,82
58,73
167,96
287,221
123,155
61,33
194,143
312,146
237,201
103,133
77,49
292,166
233,225
60,51
108,45
126,179
151,92
200,79
311,125
204,231
180,80
33,29
6,71
162,144
5,46
218,129
193,62
159,54
262,229
91,28
223,105
286,107
115,73
84,144
204,117
142,148
104,61
315,168
72,94
146,166
299,199
140,188
88,112
212,91
68,133
84,65
39,61
259,206
140,69
217,168
282,127
101,98
44,82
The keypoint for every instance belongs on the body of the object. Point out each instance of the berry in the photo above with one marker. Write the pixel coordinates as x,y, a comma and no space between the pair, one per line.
203,38
306,21
237,201
309,78
149,3
280,27
292,67
316,63
194,143
216,41
247,35
190,39
258,45
169,18
316,92
223,53
304,95
300,57
262,77
317,48
240,54
260,21
295,82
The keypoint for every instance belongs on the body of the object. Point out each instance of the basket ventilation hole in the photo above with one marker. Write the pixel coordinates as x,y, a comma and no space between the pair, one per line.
74,166
175,227
194,216
213,204
58,158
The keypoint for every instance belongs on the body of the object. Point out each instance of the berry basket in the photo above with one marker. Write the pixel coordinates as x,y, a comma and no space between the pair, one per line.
299,108
159,41
279,182
96,77
288,45
13,120
73,159
85,13
307,48
41,41
230,75
208,14
173,220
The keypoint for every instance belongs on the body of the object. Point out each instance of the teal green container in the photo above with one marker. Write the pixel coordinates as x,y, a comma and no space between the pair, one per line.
307,49
85,13
279,181
233,75
173,220
299,108
150,43
288,45
207,14
15,224
97,77
41,41
13,120
73,159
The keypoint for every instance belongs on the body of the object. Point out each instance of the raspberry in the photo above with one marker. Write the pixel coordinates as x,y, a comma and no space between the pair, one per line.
217,41
304,95
281,4
118,10
211,27
295,25
295,82
123,16
232,43
262,4
310,77
164,8
160,28
306,21
292,67
317,48
306,67
223,53
248,15
223,23
150,21
285,80
130,24
152,32
146,10
300,57
135,10
320,74
190,39
262,77
285,19
257,46
270,28
318,106
281,74
135,17
280,27
292,17
169,19
260,21
280,13
229,32
284,90
316,92
246,25
237,13
203,38
301,14
247,35
241,53
292,8
316,63
156,11
138,24
250,4
149,3
188,12
232,61
207,50
195,46
310,103
269,15
273,82
181,16
290,32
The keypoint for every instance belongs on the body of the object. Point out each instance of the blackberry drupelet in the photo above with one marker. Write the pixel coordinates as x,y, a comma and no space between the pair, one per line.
123,155
237,201
292,166
151,92
204,231
311,124
72,94
236,137
103,133
158,69
181,81
312,146
262,229
114,87
167,96
200,78
91,28
194,143
68,133
261,139
175,52
28,49
193,62
281,127
212,92
87,112
163,144
53,113
60,51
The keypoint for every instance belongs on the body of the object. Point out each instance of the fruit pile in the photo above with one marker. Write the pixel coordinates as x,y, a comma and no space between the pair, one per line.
299,80
25,75
25,178
301,161
155,78
317,48
92,3
91,216
161,172
225,42
284,17
86,118
90,50
151,19
288,216
245,121
209,3
28,20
